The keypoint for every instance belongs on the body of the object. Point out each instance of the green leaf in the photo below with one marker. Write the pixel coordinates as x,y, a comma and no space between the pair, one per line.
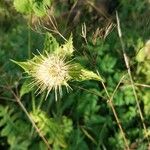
36,6
26,88
23,6
77,141
27,66
47,2
89,75
66,49
50,43
39,9
56,130
108,63
6,130
140,57
14,129
146,101
144,53
78,73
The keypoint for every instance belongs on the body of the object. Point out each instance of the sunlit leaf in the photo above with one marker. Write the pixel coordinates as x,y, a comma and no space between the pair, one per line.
23,6
50,43
79,73
66,49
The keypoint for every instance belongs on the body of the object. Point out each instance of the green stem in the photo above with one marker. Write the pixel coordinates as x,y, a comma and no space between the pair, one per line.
33,101
29,38
41,100
58,107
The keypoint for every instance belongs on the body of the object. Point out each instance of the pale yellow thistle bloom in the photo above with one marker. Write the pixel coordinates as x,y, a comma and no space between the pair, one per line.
50,72
55,68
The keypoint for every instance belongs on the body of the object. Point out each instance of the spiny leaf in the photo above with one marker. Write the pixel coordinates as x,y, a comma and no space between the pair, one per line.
66,49
50,43
27,66
89,75
78,73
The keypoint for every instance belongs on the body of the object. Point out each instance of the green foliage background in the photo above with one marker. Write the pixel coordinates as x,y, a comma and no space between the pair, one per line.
82,119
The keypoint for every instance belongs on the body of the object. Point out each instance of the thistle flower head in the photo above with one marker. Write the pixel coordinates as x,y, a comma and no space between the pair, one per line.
50,72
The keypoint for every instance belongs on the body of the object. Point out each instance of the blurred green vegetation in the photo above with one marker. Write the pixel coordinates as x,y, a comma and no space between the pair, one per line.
82,119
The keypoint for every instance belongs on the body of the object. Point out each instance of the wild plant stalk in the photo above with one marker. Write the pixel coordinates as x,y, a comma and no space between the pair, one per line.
120,81
88,135
97,9
55,30
70,12
142,85
31,120
126,60
90,91
110,102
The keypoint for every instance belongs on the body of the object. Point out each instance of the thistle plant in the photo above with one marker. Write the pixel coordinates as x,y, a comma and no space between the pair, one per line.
55,68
